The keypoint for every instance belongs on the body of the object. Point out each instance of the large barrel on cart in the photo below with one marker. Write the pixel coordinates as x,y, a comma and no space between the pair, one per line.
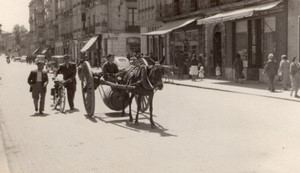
113,95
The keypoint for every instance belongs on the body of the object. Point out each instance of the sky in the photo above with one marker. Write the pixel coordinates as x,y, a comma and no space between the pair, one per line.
14,12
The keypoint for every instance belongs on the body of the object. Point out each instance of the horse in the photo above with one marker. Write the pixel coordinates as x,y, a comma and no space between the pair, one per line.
146,79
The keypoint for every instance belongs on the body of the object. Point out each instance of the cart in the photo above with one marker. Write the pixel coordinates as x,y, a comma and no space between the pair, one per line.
114,96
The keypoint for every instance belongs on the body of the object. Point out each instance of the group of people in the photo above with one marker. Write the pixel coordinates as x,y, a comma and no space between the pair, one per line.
196,69
38,81
287,72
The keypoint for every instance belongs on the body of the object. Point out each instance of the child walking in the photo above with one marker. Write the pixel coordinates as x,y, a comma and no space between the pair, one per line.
201,73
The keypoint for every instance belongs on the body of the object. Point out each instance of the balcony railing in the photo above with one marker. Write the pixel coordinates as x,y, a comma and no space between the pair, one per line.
171,10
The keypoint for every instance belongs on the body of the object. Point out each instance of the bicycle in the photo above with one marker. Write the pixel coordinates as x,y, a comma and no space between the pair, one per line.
59,95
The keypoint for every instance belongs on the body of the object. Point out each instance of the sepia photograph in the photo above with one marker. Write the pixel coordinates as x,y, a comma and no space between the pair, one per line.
149,86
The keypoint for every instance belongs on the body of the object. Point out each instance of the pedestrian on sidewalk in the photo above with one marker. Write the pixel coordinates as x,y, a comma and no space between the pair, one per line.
284,71
238,68
218,71
194,67
201,72
295,76
38,81
68,70
271,69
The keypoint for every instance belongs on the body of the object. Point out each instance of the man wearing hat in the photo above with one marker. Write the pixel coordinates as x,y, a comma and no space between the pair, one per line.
68,70
38,80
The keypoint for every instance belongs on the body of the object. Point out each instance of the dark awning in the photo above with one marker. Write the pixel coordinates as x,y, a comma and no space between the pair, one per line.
89,44
237,14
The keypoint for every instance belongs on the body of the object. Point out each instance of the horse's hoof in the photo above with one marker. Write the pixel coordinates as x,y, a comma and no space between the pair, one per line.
136,123
153,126
130,120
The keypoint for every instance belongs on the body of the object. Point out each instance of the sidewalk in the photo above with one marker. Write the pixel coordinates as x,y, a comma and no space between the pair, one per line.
248,87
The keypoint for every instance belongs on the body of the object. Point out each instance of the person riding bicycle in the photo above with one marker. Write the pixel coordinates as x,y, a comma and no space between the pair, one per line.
110,69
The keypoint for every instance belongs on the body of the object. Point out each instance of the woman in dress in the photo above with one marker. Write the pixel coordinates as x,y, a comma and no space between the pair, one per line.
294,73
284,71
194,67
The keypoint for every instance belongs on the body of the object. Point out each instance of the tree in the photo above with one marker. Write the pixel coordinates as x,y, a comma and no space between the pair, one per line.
18,32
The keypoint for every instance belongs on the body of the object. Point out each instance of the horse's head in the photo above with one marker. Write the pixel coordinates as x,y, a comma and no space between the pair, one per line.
155,75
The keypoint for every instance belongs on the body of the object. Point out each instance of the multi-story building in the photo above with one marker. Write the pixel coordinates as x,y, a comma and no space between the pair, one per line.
149,15
37,25
217,30
93,27
293,28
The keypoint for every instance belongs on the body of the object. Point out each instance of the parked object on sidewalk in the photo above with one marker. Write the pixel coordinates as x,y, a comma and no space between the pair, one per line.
38,80
284,72
169,73
271,69
295,76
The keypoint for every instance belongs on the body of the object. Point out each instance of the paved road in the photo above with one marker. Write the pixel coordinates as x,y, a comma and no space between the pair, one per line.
198,130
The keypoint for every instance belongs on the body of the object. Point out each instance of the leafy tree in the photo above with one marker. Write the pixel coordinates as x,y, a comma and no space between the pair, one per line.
18,31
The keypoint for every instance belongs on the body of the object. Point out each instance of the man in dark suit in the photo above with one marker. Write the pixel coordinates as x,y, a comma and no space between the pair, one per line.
38,80
68,70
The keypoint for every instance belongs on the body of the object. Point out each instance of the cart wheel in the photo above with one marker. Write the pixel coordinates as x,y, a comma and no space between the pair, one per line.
144,102
87,86
62,98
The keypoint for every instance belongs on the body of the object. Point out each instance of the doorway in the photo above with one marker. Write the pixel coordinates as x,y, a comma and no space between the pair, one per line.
217,48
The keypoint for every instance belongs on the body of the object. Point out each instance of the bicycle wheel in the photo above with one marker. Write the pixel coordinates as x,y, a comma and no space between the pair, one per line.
62,99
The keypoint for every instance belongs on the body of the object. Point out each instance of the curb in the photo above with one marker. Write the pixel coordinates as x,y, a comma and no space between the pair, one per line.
232,91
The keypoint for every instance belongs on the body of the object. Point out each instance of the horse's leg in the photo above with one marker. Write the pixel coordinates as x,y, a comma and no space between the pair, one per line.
138,109
151,109
130,102
123,104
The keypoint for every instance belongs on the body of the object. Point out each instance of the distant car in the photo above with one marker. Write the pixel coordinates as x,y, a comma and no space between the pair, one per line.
17,58
54,62
122,62
23,58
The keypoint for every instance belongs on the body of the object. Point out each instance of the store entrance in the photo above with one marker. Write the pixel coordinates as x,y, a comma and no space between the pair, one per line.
217,50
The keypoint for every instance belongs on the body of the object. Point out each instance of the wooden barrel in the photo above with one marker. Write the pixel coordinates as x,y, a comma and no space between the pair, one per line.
113,98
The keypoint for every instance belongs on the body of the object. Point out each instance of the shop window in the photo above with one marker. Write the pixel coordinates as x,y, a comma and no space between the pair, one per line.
177,7
242,41
194,5
269,45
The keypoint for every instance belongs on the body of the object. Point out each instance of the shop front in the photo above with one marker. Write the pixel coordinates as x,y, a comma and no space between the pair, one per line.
176,41
253,32
133,45
92,49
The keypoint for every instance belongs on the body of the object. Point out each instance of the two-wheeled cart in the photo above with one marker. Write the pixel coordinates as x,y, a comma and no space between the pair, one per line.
115,97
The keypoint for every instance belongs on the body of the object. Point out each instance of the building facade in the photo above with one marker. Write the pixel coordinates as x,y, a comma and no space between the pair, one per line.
216,30
92,27
36,25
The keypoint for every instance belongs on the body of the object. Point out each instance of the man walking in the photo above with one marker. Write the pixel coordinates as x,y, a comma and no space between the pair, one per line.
68,70
271,69
38,80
